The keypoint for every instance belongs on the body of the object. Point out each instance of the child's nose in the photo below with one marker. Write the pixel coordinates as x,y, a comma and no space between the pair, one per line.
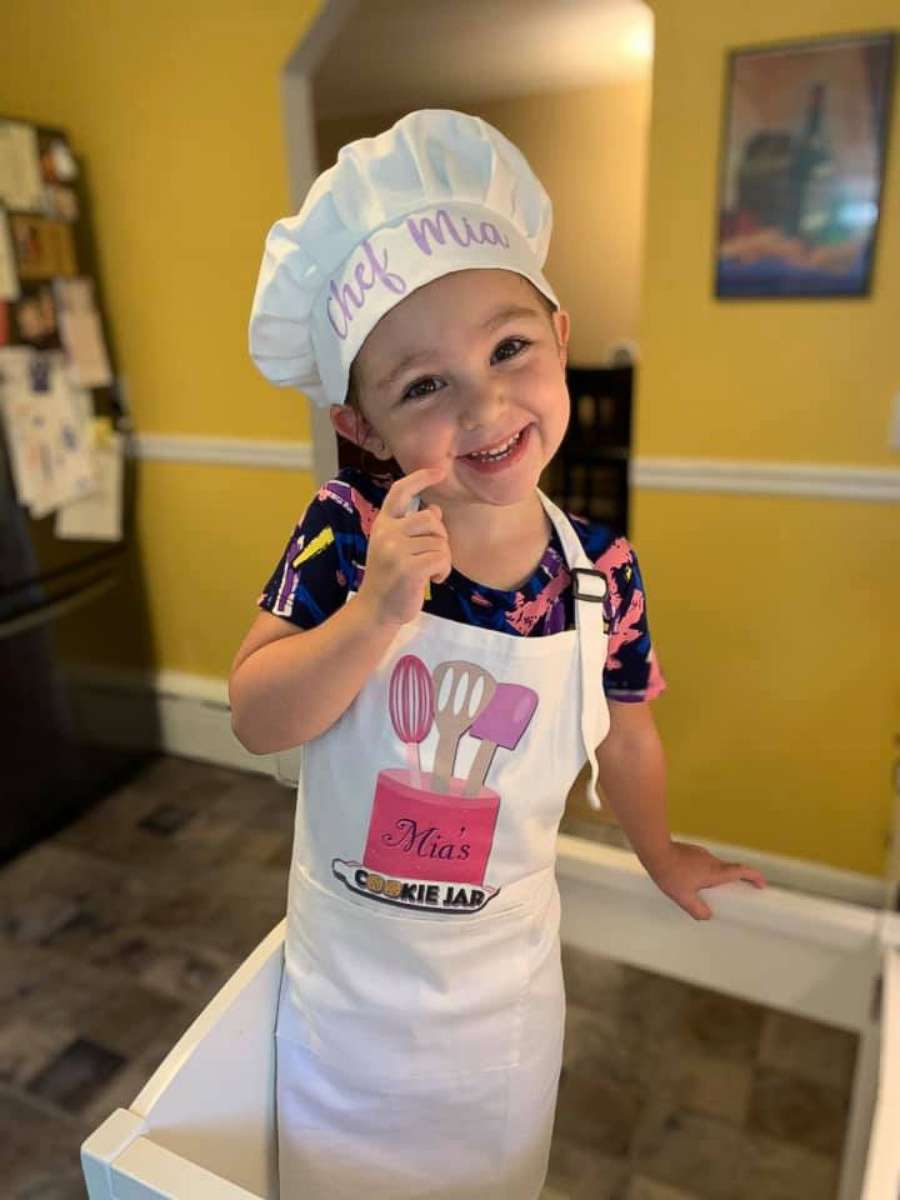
482,403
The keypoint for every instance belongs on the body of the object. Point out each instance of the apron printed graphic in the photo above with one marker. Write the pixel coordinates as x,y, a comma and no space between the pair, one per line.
431,832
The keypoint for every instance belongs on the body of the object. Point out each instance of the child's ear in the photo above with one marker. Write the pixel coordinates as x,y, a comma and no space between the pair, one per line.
343,419
351,424
562,325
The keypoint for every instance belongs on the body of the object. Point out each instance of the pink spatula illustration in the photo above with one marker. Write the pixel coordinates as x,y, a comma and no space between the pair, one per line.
500,723
411,705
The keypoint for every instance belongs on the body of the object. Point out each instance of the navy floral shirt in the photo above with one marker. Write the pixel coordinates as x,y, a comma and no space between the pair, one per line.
325,557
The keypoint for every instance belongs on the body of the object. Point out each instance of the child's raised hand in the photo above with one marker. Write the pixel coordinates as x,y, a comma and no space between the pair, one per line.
405,550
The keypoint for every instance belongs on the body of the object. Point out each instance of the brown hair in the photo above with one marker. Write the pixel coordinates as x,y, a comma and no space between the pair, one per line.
380,466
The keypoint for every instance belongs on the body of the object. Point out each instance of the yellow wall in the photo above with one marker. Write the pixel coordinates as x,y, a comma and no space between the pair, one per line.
775,618
782,667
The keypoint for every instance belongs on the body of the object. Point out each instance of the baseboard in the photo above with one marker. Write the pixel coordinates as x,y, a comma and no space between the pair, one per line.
169,711
189,715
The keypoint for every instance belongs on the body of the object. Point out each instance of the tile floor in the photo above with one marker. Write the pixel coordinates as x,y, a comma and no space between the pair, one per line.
116,932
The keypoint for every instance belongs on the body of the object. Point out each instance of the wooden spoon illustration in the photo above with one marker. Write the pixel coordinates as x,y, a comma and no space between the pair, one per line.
452,716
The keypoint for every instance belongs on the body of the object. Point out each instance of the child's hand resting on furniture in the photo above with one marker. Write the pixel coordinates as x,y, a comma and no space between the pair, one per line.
685,868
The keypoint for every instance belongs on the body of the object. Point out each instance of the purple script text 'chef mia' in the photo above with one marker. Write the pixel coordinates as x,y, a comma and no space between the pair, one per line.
345,302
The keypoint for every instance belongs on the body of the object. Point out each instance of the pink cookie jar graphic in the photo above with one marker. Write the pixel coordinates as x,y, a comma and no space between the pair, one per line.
434,825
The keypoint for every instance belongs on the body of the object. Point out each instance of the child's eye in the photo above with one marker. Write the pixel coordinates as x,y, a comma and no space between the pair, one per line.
412,394
518,345
514,345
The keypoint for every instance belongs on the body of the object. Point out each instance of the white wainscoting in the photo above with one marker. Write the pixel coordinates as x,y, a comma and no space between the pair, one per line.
834,482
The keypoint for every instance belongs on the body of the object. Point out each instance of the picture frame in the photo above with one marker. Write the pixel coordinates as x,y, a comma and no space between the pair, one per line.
803,152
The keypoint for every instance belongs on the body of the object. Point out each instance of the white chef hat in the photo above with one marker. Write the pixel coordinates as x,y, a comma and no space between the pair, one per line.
439,191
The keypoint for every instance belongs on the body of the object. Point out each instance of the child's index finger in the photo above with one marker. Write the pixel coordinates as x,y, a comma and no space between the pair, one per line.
405,491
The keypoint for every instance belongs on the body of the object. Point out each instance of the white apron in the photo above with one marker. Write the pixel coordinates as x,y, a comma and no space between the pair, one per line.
420,1027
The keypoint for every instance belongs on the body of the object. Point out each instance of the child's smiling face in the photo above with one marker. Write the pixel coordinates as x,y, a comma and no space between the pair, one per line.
487,362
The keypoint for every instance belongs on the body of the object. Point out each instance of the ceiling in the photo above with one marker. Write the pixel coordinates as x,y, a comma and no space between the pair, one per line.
424,53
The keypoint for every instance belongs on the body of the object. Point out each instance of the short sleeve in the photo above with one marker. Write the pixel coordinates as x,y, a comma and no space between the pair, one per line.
310,581
632,673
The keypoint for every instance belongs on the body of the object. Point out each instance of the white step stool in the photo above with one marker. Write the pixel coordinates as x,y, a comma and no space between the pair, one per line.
203,1128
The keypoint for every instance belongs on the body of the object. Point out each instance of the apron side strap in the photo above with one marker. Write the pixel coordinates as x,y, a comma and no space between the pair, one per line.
591,586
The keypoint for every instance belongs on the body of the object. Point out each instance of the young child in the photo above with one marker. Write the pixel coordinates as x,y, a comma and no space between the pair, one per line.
447,666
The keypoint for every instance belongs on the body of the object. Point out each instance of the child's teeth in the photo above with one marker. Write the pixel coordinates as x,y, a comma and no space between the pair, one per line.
496,453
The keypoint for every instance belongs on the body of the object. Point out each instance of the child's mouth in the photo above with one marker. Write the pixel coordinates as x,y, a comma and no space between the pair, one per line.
492,463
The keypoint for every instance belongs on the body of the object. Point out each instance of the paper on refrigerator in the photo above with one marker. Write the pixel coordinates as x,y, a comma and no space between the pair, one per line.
21,182
9,278
98,517
46,419
19,422
81,331
73,413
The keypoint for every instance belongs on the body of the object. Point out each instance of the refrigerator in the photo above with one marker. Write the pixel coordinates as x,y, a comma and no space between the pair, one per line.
53,764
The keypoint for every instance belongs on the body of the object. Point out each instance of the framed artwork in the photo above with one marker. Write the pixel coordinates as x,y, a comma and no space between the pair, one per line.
805,136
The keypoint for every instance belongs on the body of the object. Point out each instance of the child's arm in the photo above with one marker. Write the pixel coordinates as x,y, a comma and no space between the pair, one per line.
632,774
287,685
285,690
